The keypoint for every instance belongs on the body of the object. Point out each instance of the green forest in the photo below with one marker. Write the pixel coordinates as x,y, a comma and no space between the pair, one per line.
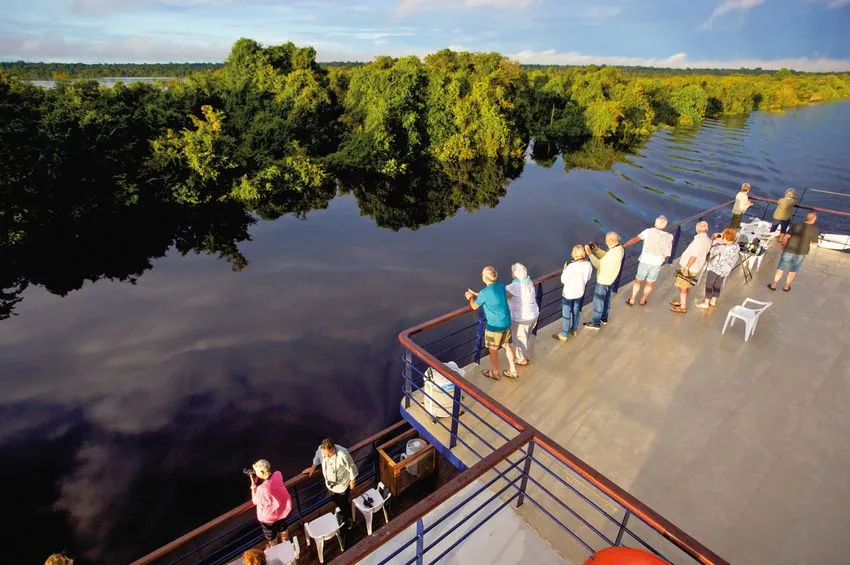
85,170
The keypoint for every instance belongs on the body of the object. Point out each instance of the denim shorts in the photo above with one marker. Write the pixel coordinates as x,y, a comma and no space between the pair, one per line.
648,273
790,262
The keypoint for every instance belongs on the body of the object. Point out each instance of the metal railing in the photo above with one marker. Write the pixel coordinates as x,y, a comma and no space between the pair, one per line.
522,465
226,537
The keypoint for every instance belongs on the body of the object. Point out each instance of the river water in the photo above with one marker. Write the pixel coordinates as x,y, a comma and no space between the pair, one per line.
129,409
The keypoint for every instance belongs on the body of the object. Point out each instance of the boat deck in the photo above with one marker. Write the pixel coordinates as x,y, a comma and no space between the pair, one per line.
741,444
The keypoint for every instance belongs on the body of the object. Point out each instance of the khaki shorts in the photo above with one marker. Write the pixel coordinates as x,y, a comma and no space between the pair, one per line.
495,340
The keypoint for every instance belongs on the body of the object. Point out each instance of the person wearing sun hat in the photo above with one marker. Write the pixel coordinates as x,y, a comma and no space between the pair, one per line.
269,495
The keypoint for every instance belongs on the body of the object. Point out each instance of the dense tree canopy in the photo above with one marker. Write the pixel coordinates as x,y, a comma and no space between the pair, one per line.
190,163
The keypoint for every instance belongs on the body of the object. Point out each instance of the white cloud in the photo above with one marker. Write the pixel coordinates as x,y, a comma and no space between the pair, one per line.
51,47
681,61
732,6
832,3
408,7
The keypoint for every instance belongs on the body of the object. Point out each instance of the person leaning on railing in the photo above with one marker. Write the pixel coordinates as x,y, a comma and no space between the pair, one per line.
742,203
522,302
607,268
493,298
722,257
690,265
340,473
785,210
272,500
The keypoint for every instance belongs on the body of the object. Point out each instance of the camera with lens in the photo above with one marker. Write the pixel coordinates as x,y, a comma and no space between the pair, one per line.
592,245
332,484
250,472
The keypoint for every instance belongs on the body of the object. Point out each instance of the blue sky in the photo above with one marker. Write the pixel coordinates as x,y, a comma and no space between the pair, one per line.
801,34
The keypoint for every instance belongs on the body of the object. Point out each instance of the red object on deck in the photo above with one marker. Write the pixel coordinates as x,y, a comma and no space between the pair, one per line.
624,556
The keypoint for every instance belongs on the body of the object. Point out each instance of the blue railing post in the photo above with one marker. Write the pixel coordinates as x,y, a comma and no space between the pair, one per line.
479,339
298,505
420,541
676,235
622,528
526,468
408,376
538,296
455,417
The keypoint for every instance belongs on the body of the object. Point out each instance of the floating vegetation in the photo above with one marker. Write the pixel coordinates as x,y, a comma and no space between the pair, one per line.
615,197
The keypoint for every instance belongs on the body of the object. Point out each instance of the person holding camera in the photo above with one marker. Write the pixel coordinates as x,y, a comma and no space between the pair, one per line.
269,495
340,473
722,258
607,268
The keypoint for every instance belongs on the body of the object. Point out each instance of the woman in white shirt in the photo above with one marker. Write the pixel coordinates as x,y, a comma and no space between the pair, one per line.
522,301
574,278
742,203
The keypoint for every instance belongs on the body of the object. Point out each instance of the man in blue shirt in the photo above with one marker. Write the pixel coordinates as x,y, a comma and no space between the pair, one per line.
493,298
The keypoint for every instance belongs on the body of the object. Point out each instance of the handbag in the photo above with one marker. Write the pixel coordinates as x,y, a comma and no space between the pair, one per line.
686,276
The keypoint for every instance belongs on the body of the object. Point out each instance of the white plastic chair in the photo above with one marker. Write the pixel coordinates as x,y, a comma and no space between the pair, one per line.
324,528
285,552
750,316
378,503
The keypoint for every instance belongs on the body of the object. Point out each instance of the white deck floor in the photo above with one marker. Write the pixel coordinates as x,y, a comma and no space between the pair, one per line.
505,539
746,446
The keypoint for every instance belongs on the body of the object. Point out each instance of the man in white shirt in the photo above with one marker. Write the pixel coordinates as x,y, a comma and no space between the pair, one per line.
657,246
340,472
691,264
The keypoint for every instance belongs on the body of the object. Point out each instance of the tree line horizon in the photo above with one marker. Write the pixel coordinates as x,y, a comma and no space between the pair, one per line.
192,163
39,70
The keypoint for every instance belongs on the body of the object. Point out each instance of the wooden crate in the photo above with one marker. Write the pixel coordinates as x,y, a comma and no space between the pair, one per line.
396,475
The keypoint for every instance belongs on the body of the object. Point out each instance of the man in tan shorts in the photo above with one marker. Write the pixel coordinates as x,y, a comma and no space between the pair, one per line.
494,299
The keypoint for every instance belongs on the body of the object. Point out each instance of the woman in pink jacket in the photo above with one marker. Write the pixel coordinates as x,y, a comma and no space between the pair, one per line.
272,500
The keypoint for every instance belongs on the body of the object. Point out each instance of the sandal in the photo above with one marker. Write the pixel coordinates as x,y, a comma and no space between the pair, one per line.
510,375
523,364
629,302
675,303
678,309
491,375
642,302
771,287
786,288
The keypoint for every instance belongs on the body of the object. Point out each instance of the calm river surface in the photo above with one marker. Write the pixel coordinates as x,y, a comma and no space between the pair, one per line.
128,410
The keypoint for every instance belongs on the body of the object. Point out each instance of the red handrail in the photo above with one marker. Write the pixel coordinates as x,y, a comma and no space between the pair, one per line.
805,207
